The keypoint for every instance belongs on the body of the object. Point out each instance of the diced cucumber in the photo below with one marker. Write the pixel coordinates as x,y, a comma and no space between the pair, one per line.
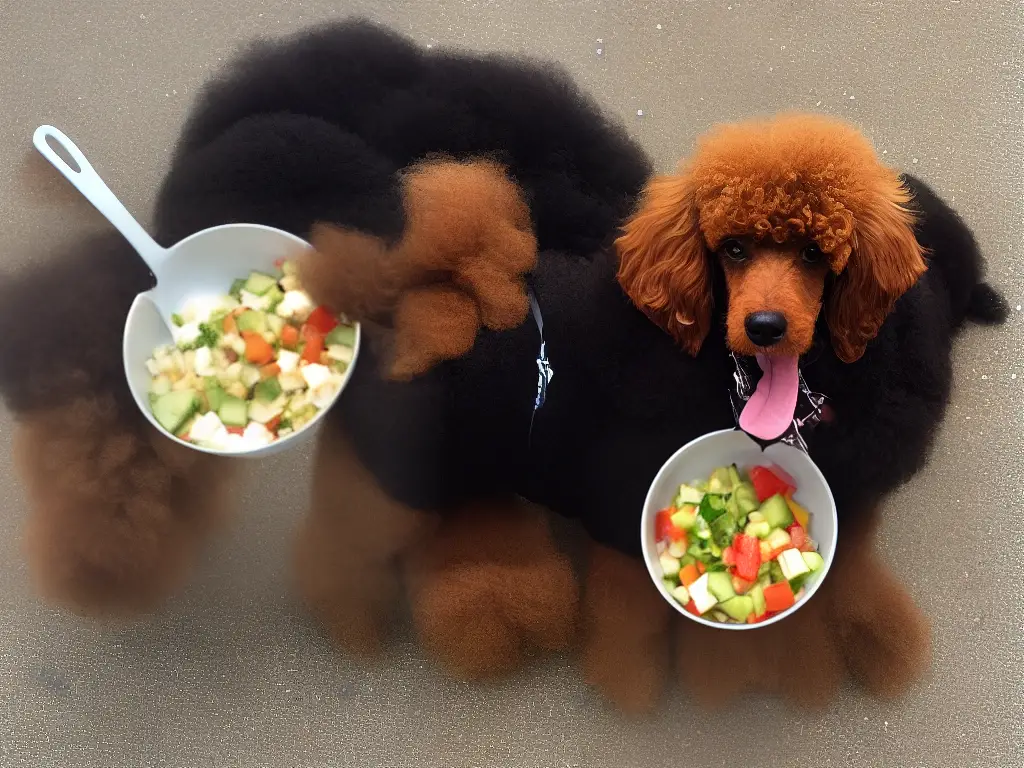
739,607
250,375
676,549
759,529
274,297
275,324
734,477
746,497
341,334
720,482
669,566
681,594
236,289
792,563
173,409
777,512
814,561
263,412
757,595
685,517
720,585
215,394
688,495
778,539
723,528
233,411
775,572
251,320
268,390
259,283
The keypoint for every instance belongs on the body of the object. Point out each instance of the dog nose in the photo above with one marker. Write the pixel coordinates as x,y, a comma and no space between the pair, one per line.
765,328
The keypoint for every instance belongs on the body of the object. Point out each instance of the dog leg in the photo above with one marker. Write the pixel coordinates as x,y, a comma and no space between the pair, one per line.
625,625
346,554
796,658
883,636
489,587
117,510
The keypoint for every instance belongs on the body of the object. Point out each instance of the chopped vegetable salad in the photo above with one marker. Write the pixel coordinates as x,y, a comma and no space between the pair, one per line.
251,366
735,549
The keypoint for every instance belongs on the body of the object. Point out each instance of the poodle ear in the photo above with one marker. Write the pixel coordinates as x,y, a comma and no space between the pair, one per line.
886,261
663,263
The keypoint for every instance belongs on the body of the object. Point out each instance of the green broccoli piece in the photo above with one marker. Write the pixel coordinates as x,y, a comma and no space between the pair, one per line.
208,336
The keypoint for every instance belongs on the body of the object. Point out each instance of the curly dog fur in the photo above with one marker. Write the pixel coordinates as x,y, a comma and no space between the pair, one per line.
438,187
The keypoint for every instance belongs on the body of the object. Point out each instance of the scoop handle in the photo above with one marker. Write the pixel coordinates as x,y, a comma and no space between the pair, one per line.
89,183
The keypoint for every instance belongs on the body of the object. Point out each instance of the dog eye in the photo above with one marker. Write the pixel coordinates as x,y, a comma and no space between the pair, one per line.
734,250
812,254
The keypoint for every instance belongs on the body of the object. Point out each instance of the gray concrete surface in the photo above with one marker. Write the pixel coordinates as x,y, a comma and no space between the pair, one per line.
233,673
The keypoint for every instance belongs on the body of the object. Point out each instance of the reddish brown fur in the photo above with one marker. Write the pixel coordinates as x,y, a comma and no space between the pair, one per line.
118,510
789,178
773,278
860,622
490,587
467,227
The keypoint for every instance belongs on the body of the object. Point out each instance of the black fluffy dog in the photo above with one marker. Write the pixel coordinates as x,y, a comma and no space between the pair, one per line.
410,156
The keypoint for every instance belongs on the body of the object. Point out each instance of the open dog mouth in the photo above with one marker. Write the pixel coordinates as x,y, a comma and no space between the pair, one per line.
770,410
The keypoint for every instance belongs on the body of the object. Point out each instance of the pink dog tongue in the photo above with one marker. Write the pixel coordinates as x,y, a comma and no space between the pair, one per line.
769,411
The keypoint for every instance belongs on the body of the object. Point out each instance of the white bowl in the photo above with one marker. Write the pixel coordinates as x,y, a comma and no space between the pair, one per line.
698,459
203,264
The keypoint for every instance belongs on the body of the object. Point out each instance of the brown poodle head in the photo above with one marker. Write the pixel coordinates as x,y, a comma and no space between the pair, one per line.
776,205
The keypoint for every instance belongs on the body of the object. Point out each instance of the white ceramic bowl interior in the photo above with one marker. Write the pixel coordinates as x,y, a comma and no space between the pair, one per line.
697,459
203,264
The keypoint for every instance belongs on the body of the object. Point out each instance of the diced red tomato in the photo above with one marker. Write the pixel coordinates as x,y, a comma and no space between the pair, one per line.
663,524
783,475
270,370
701,567
741,586
797,535
273,424
729,556
767,484
314,344
322,319
779,597
748,556
752,619
692,608
279,263
236,430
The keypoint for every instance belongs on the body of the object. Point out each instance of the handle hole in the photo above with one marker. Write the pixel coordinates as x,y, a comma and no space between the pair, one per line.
63,154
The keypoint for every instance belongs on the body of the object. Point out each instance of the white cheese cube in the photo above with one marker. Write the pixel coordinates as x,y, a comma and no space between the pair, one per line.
186,334
792,563
252,301
206,428
315,374
203,362
295,305
287,360
702,598
256,434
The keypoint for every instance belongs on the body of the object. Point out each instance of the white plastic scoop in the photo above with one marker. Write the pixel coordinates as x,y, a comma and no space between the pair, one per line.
203,264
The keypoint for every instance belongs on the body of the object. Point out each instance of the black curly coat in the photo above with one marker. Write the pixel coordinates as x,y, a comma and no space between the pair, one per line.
317,127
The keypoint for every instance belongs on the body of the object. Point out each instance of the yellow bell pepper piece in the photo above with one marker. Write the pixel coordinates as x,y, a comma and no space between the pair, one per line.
799,513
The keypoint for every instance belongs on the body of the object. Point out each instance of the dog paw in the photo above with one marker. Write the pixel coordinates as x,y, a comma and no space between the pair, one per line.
625,636
480,618
795,658
883,635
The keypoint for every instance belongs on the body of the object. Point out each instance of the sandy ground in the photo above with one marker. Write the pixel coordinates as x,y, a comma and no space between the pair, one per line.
234,673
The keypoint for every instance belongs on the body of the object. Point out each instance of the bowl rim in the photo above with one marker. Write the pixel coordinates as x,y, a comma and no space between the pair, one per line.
257,450
646,520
